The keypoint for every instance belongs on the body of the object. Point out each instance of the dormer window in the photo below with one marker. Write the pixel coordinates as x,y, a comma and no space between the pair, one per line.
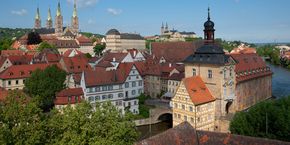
30,72
22,73
11,73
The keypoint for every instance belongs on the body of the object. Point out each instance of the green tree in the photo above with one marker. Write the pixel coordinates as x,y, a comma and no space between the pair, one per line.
81,125
43,84
99,48
33,38
269,119
5,44
45,45
21,120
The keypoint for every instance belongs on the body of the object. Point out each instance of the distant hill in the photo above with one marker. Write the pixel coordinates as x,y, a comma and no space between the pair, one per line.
9,33
88,34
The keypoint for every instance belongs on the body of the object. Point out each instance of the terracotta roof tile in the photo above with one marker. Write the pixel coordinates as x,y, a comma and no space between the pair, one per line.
62,98
70,51
197,90
11,52
76,64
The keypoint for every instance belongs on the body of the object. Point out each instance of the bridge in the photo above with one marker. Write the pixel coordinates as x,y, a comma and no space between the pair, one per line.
157,115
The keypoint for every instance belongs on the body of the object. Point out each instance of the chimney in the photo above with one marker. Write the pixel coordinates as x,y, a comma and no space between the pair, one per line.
114,59
170,65
134,53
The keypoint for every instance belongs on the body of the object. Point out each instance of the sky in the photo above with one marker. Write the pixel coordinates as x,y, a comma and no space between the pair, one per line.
257,21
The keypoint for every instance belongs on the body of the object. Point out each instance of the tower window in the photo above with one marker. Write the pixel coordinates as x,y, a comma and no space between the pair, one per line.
193,72
209,73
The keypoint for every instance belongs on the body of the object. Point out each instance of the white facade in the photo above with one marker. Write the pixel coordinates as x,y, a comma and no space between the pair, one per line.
122,95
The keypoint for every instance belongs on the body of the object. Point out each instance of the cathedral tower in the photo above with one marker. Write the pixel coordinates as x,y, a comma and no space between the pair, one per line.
37,22
58,21
49,20
75,20
162,29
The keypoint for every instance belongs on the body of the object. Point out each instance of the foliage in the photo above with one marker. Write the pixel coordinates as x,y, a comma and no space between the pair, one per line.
99,48
43,84
44,45
88,55
268,119
143,109
11,34
190,39
21,121
89,35
5,44
270,51
33,38
148,43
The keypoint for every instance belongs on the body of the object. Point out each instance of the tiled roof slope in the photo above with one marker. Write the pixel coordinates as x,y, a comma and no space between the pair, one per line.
197,90
62,96
185,134
21,71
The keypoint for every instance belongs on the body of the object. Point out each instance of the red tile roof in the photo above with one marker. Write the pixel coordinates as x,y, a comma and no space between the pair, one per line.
197,90
185,134
69,51
21,71
243,50
62,98
250,66
19,60
118,56
76,64
102,77
84,39
168,50
11,52
176,76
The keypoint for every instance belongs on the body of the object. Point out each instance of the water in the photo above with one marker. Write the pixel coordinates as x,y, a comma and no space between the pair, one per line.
280,81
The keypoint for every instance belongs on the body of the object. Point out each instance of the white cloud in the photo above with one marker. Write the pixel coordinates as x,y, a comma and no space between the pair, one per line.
114,11
19,12
84,3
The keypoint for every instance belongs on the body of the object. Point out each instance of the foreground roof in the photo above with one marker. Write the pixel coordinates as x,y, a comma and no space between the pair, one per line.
21,71
185,134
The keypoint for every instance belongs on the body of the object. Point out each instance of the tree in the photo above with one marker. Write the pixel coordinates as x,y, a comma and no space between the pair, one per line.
5,44
88,55
21,120
81,125
33,38
45,45
268,119
99,48
43,84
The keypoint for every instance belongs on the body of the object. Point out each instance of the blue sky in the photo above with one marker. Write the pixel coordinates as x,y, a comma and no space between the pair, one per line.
246,20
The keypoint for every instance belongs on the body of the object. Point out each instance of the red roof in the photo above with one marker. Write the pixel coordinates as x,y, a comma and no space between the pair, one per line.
69,51
19,60
197,90
11,52
84,39
176,76
75,94
119,56
21,71
102,77
250,66
76,64
168,50
243,50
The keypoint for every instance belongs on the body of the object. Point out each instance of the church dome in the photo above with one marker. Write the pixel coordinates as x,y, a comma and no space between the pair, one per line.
113,32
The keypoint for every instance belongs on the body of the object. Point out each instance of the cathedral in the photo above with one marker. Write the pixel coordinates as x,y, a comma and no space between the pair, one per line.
58,29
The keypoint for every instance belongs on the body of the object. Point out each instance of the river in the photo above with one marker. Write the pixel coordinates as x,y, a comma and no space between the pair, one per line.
280,87
280,81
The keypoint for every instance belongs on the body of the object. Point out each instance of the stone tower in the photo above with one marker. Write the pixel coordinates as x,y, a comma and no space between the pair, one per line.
37,22
162,29
49,20
166,27
58,21
75,20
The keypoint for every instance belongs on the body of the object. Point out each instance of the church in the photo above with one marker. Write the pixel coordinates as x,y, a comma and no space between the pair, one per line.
58,29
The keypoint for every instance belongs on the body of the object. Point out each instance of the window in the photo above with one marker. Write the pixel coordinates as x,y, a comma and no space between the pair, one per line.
126,94
185,118
126,85
137,77
129,103
16,82
98,89
91,99
9,82
110,96
179,116
191,119
190,109
129,78
198,119
193,72
23,81
198,108
209,117
175,115
120,86
69,99
104,97
175,105
209,73
139,91
135,102
140,83
133,84
110,88
225,74
120,95
133,92
97,98
183,107
230,72
104,88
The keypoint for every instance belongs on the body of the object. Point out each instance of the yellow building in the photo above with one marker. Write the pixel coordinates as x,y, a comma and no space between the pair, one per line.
194,103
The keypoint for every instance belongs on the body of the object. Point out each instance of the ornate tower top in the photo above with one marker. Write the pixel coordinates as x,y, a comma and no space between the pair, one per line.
58,12
49,15
75,9
209,29
37,14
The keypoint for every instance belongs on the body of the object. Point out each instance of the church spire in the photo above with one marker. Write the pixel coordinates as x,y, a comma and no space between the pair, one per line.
49,20
58,12
49,15
37,22
75,9
208,13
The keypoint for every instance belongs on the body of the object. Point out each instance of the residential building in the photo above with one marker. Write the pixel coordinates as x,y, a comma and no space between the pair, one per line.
121,86
70,96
